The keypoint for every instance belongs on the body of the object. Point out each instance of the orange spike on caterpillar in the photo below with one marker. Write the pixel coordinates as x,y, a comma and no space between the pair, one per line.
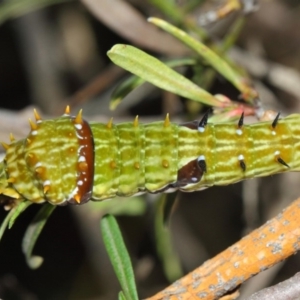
11,137
5,146
77,198
136,121
33,125
167,121
78,118
39,170
37,116
46,188
67,111
110,123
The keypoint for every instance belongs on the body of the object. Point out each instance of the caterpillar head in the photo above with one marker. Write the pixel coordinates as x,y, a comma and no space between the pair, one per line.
54,163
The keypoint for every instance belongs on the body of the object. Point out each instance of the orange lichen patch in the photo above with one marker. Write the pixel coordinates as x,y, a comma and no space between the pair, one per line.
78,118
273,242
33,125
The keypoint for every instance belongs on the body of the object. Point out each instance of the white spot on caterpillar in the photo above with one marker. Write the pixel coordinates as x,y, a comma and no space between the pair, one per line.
78,135
201,129
46,182
276,153
239,131
201,157
72,194
34,132
80,182
81,159
78,126
273,132
241,157
38,164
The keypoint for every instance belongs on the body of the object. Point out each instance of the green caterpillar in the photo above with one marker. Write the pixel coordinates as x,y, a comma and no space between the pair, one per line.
66,160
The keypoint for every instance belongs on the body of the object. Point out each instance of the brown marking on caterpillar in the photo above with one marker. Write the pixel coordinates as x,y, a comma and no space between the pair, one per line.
192,172
191,125
85,166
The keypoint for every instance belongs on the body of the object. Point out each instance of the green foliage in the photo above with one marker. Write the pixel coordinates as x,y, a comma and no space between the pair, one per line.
119,257
134,82
11,217
153,70
32,233
165,249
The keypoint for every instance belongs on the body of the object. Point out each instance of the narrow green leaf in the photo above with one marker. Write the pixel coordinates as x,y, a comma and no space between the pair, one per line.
15,8
32,233
165,249
133,82
6,221
121,296
211,57
124,89
19,209
118,255
151,69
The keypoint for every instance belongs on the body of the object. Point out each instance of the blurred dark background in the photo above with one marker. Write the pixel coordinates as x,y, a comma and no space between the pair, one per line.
54,55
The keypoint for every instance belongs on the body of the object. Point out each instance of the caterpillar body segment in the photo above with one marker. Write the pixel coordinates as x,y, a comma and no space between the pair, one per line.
66,160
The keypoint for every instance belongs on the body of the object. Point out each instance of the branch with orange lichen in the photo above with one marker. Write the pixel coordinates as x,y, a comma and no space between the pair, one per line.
273,242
